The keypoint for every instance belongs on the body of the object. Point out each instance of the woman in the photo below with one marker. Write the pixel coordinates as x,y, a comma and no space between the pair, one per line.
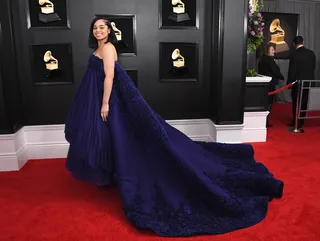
267,66
168,183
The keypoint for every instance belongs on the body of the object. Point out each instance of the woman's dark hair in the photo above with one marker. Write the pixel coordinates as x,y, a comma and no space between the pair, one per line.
266,49
93,43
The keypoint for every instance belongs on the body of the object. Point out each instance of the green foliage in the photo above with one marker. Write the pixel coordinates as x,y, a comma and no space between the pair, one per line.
252,73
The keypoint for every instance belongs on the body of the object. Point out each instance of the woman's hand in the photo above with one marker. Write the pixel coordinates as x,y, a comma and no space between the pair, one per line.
104,111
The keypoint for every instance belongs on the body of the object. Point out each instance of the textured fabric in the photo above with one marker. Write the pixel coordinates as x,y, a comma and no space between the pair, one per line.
168,183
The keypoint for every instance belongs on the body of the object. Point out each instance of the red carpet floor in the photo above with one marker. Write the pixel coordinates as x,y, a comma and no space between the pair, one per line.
43,202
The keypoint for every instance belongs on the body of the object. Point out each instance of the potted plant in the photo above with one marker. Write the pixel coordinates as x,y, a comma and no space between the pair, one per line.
253,77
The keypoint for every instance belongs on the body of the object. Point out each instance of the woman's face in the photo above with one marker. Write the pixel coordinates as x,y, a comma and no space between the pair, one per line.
100,30
271,51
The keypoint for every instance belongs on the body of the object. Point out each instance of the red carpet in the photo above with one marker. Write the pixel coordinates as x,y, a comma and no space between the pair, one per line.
43,202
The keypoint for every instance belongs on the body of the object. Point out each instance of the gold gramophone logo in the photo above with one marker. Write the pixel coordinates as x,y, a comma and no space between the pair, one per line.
47,14
178,13
47,6
178,59
116,31
278,36
51,62
277,33
178,6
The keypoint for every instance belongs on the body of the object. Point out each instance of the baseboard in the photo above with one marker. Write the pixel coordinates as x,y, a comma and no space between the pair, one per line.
195,129
8,162
44,142
255,127
228,133
45,151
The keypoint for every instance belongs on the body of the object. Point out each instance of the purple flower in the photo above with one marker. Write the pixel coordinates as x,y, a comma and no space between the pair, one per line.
255,22
261,33
250,15
250,7
262,24
259,15
253,33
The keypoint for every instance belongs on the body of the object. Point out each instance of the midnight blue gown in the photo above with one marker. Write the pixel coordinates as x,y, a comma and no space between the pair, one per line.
168,183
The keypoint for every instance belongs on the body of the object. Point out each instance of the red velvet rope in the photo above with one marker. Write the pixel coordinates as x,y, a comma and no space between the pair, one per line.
282,89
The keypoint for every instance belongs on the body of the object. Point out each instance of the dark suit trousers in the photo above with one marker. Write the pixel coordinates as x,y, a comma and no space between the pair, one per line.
272,87
304,102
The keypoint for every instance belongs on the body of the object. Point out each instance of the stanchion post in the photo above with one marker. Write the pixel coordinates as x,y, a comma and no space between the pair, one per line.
296,128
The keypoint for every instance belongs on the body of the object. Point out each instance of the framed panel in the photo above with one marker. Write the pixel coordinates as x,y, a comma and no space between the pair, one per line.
133,74
178,62
52,64
280,30
176,14
45,14
125,26
256,98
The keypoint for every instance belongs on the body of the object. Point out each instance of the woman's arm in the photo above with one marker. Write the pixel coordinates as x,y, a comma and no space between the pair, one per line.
108,58
108,66
276,70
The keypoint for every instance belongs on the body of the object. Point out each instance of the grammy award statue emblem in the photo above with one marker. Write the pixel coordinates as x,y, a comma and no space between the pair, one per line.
52,66
178,69
121,43
277,36
47,14
178,13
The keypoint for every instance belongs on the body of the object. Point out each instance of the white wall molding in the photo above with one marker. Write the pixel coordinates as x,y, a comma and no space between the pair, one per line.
195,129
258,79
228,133
48,141
255,126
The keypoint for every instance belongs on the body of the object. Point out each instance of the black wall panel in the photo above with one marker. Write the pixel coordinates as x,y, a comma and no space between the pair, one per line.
217,92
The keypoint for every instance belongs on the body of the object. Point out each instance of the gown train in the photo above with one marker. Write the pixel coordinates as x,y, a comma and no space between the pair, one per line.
168,183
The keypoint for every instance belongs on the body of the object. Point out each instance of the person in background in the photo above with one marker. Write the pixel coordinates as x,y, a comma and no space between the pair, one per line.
301,67
267,66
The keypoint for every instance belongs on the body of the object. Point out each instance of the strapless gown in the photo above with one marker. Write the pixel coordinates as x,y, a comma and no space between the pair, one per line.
168,183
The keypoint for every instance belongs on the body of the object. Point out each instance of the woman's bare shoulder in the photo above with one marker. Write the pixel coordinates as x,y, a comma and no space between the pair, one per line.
109,49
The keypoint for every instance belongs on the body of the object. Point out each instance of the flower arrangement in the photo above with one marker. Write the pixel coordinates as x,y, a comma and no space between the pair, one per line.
255,25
